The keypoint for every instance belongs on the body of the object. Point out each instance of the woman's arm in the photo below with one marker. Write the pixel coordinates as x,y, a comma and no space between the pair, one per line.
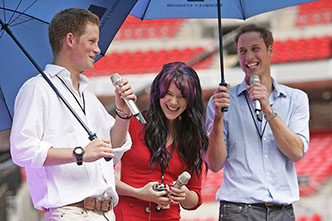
144,193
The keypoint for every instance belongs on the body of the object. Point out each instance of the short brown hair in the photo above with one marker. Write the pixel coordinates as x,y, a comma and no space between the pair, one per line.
72,20
264,33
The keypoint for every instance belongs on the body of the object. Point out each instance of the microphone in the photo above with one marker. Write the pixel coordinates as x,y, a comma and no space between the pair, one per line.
183,179
116,80
257,104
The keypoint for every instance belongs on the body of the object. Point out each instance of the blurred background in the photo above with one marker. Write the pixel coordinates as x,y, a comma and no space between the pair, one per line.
302,59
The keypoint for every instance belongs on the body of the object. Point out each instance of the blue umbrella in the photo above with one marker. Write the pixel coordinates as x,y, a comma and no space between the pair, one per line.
24,41
238,9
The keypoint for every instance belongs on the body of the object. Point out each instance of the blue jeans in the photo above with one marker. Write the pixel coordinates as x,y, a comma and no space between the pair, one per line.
254,212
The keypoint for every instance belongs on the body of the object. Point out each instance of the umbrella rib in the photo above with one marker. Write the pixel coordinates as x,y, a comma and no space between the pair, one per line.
242,10
146,10
25,15
21,22
18,5
20,13
4,12
4,101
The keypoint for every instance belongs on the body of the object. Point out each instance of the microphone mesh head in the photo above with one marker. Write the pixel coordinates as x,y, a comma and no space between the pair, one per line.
254,79
116,79
184,177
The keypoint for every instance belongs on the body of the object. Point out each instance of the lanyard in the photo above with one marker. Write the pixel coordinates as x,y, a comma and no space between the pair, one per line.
82,107
253,118
164,167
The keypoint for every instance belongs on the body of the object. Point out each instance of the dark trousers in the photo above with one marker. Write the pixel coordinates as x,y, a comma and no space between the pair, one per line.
255,212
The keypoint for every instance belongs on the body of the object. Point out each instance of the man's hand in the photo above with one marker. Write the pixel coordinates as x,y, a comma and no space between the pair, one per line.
221,98
97,149
259,92
124,91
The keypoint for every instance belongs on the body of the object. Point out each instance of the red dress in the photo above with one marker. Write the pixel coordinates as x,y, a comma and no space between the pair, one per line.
136,172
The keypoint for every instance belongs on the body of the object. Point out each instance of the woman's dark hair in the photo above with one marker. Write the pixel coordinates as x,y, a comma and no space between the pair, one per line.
191,138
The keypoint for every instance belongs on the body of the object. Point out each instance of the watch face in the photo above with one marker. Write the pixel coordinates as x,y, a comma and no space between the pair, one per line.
78,151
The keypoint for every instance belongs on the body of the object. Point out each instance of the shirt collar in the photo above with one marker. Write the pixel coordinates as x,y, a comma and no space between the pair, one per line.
54,70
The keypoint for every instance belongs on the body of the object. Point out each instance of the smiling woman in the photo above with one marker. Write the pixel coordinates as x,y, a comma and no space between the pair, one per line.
173,140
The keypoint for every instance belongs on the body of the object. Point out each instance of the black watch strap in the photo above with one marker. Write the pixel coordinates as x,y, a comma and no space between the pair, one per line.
78,153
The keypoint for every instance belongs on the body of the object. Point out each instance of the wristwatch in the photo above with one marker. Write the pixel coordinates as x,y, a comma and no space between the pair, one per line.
273,115
78,153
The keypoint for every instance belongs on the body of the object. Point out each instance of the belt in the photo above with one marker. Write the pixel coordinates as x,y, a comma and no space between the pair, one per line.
91,203
263,205
270,205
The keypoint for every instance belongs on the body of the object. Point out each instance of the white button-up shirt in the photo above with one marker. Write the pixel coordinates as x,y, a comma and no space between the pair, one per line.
41,121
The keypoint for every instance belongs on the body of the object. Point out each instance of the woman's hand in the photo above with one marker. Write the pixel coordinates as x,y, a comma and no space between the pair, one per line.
177,195
148,194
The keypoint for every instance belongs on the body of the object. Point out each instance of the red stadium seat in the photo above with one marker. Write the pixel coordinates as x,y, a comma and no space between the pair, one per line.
316,166
318,12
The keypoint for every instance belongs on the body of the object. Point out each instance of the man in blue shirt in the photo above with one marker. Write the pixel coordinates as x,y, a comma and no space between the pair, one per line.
257,153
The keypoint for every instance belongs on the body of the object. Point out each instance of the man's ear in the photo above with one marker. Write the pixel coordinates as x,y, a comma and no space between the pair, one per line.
270,50
69,39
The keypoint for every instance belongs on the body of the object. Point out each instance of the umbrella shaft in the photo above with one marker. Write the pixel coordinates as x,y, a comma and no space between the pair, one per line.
220,43
6,28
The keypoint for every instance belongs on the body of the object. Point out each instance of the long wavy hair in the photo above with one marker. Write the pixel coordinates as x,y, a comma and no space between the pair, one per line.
191,138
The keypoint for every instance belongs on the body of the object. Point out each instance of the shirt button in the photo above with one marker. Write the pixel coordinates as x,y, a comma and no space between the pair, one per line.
147,209
264,139
265,156
267,173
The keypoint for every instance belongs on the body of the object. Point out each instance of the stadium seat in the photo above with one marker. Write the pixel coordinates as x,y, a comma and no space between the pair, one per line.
302,49
316,166
150,61
133,28
313,13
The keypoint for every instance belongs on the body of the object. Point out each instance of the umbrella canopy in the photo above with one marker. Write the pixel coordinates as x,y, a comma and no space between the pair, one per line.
237,9
27,21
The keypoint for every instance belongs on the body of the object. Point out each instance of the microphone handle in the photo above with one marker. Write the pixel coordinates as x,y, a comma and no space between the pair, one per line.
178,185
257,105
132,107
135,111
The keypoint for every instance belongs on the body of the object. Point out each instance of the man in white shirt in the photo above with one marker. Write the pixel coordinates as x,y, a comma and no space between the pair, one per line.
67,174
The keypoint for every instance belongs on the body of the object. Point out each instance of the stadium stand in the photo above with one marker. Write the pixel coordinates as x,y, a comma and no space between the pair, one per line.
316,166
150,61
314,217
313,13
133,28
302,49
139,62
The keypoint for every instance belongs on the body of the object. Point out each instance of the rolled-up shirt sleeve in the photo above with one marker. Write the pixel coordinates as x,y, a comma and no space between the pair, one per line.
27,147
299,122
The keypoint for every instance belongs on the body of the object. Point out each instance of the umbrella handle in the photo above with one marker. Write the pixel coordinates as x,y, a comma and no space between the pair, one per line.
93,136
223,83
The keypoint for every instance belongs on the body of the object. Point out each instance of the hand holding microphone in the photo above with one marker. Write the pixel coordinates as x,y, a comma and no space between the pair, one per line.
182,180
116,81
257,104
